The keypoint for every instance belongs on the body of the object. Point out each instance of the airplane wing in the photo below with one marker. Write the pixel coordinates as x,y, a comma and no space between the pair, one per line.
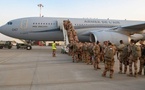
137,26
130,29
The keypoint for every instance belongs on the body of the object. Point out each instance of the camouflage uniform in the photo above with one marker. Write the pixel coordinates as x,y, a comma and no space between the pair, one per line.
96,50
74,51
124,56
70,49
120,56
103,51
84,51
77,52
80,52
142,60
132,59
89,53
109,64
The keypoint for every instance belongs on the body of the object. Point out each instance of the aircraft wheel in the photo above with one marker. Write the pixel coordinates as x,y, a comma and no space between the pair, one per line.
29,48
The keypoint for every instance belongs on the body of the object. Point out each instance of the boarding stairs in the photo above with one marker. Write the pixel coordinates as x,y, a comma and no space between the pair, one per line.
69,33
65,35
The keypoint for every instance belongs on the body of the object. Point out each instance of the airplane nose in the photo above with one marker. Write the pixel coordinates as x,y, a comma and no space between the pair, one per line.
1,29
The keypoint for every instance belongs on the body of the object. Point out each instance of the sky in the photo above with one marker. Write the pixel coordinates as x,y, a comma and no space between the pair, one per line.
101,9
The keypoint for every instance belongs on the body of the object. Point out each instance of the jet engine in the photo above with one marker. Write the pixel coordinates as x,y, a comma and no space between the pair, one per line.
113,37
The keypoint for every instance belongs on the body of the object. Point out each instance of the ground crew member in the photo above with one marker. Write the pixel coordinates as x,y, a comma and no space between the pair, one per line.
109,60
135,53
54,49
142,58
119,55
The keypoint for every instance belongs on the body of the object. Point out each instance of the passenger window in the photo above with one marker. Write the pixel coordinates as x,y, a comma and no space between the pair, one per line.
9,23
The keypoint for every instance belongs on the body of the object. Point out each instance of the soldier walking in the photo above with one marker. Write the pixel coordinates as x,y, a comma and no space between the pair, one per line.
120,56
142,58
89,53
109,60
96,57
135,53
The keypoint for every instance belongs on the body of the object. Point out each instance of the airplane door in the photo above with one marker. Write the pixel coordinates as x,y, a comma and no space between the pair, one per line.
60,24
24,24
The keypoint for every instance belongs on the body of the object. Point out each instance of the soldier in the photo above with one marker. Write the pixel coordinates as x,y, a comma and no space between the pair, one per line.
124,56
119,55
134,54
80,51
142,58
89,53
84,50
96,57
70,46
109,60
105,45
77,52
74,50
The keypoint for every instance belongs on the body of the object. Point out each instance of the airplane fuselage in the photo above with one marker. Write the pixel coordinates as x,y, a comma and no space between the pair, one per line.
48,29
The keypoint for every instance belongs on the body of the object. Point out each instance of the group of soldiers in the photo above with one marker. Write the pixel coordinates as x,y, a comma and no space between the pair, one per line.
130,54
93,53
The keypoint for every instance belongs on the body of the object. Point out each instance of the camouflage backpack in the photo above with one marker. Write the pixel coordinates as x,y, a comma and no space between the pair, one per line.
143,51
84,48
136,51
74,47
120,47
96,49
125,52
109,54
90,49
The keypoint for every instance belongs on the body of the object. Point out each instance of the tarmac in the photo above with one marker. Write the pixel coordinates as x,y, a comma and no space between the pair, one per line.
36,69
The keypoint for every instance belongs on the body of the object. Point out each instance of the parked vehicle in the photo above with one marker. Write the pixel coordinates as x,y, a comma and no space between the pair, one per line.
23,46
5,44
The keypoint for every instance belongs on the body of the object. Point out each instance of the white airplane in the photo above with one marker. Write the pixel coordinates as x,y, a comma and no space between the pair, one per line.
48,29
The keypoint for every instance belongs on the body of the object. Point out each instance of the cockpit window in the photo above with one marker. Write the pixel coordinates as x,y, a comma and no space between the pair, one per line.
9,23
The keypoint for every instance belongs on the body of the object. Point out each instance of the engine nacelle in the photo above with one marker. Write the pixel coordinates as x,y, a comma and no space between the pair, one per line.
109,36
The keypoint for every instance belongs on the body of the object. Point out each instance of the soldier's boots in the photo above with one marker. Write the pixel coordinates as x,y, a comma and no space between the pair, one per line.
130,75
120,72
135,74
94,66
139,73
98,67
124,73
104,73
125,70
73,59
111,75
